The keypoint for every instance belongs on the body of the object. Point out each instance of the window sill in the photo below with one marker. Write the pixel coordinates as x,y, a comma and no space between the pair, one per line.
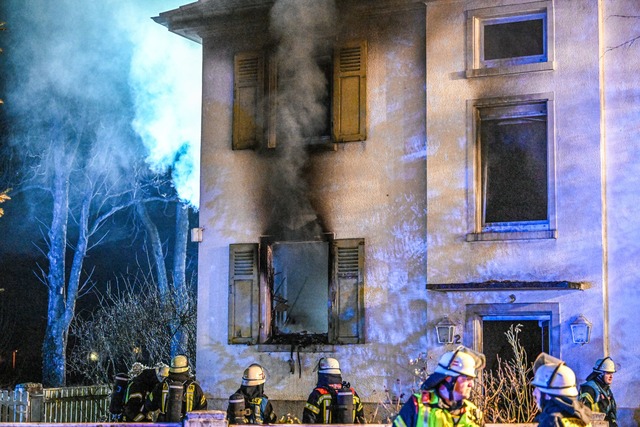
506,285
288,348
512,235
512,69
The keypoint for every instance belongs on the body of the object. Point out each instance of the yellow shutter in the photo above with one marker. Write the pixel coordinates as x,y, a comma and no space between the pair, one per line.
347,292
248,94
349,92
243,294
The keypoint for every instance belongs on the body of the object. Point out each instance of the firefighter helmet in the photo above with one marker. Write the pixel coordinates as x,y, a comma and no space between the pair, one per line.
461,361
254,375
605,365
179,364
162,372
329,365
553,376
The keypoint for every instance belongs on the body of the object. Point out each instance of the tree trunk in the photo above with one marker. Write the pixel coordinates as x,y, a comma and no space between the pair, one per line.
180,339
156,248
55,341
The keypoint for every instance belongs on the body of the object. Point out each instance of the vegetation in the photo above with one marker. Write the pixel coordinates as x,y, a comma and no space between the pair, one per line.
4,196
505,394
133,324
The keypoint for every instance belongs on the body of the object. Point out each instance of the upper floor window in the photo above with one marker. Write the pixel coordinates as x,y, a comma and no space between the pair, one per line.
513,158
510,39
257,114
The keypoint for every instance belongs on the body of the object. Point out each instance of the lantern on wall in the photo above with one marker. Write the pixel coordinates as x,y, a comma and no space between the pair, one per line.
581,330
445,330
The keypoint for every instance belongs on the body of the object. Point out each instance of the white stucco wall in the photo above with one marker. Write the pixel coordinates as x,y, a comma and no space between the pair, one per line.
373,189
622,101
593,245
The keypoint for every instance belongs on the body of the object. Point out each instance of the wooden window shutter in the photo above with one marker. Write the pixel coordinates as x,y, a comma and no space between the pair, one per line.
349,92
243,294
248,95
347,292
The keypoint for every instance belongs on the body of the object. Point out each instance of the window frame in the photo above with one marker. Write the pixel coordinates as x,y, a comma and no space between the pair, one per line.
477,19
516,230
476,313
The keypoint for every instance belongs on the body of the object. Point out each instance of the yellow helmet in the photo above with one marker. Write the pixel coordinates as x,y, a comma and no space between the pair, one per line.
553,376
605,365
461,361
179,364
254,375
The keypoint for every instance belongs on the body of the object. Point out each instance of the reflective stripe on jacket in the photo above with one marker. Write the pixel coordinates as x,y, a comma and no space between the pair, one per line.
426,410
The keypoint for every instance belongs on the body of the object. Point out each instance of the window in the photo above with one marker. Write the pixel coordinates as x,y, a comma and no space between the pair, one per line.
283,292
510,39
256,82
512,154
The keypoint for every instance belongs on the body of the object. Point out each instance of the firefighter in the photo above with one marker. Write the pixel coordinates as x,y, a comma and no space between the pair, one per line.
332,401
249,404
178,394
444,397
556,394
596,392
138,389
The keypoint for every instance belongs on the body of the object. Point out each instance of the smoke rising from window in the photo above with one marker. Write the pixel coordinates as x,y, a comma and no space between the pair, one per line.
304,32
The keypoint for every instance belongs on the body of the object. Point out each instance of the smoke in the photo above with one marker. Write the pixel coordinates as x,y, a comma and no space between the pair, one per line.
107,69
166,85
303,31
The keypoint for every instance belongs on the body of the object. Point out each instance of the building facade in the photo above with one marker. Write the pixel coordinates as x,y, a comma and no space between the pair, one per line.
373,169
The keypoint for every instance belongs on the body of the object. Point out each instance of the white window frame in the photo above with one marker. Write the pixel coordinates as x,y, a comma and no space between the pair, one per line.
477,19
478,231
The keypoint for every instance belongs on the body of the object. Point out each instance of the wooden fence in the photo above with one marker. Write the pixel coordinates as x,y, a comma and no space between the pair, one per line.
31,403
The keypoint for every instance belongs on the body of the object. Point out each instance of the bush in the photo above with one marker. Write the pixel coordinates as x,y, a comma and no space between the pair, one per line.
505,394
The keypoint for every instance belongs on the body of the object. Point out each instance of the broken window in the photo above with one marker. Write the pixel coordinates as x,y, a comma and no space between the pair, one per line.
257,83
310,292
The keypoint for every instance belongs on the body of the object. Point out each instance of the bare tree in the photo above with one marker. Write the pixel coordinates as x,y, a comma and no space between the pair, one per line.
133,323
176,286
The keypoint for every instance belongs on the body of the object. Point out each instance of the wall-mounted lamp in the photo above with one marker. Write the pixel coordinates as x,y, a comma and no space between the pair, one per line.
196,234
581,330
445,330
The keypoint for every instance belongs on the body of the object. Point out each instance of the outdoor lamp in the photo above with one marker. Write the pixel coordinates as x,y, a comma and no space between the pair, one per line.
581,330
196,234
444,330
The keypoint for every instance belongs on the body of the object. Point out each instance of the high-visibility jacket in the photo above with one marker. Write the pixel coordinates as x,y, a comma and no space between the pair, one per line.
563,411
599,399
427,409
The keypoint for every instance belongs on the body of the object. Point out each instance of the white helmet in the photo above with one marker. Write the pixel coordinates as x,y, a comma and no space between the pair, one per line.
329,365
605,365
461,361
254,375
553,376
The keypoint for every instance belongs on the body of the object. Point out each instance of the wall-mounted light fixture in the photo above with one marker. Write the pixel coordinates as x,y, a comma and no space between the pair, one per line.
196,234
445,331
581,330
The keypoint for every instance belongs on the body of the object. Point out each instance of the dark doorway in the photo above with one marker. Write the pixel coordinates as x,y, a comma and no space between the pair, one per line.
533,336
